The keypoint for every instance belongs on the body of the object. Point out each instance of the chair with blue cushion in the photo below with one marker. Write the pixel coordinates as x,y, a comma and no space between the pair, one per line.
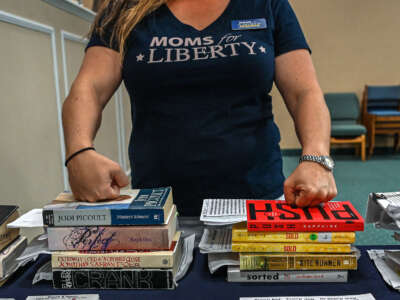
344,109
381,114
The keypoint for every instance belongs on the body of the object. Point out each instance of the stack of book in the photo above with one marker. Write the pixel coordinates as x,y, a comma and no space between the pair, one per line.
127,243
383,211
11,243
283,243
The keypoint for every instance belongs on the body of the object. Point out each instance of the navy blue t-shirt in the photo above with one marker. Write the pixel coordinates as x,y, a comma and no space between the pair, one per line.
201,111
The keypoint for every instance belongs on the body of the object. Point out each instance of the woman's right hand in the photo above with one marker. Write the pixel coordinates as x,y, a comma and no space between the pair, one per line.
94,177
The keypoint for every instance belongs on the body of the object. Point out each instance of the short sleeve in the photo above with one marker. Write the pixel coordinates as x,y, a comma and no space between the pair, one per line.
288,35
103,40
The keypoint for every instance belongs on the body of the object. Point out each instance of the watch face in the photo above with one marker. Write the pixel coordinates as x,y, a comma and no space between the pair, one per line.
329,162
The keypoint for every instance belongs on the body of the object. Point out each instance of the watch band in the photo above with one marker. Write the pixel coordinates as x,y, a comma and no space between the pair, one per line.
325,161
308,157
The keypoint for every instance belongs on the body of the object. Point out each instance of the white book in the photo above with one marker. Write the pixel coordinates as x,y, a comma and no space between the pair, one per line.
8,256
235,275
223,211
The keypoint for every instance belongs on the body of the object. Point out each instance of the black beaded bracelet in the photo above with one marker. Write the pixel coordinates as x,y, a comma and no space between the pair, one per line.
78,152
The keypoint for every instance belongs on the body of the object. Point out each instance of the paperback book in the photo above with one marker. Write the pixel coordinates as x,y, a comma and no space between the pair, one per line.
291,247
274,215
103,238
241,234
8,213
118,259
235,275
113,279
9,254
133,207
297,261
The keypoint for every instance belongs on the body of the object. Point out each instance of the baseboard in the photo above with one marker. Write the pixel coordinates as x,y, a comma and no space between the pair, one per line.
341,151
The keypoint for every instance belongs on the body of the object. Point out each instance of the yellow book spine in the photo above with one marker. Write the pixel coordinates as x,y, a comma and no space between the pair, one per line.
290,247
313,261
240,234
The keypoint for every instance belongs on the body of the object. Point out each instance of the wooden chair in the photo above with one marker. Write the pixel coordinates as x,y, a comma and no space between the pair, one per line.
345,113
380,112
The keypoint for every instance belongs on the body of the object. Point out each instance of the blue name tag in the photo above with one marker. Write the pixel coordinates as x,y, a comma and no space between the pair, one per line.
249,24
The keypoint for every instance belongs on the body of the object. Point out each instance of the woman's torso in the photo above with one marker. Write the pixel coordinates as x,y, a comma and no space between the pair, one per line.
202,116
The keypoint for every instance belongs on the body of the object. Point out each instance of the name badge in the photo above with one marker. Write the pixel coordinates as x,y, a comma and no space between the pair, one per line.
249,24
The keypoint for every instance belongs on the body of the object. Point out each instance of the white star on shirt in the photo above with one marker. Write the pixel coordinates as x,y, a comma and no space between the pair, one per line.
262,49
139,57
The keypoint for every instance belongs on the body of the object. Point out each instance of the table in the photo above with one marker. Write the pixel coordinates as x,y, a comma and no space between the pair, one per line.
199,284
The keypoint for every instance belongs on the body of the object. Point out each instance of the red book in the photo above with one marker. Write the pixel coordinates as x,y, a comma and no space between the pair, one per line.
274,215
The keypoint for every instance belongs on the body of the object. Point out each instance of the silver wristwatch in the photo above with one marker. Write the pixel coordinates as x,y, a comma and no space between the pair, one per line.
325,161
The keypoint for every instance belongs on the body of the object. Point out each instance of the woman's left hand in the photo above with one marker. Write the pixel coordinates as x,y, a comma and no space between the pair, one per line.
309,185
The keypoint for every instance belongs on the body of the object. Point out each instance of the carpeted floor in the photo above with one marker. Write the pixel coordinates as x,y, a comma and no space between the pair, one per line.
355,180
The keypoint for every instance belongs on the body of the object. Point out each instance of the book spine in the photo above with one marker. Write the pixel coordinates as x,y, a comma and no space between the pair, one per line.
7,237
110,261
9,254
250,262
99,238
290,247
151,216
296,237
306,226
278,216
235,275
113,279
102,217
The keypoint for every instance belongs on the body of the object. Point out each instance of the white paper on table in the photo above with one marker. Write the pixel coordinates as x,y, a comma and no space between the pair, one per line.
65,297
187,257
382,210
31,219
226,211
216,240
45,272
394,255
388,274
345,297
218,260
36,247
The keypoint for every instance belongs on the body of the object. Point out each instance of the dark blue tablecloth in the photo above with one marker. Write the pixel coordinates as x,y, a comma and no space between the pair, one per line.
200,284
